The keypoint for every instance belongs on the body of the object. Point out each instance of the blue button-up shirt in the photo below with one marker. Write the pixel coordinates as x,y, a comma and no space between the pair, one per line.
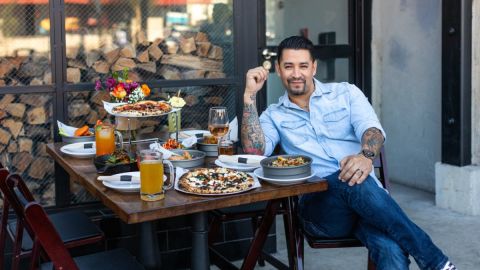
339,114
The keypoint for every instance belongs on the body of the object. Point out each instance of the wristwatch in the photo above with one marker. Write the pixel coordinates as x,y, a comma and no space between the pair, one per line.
368,154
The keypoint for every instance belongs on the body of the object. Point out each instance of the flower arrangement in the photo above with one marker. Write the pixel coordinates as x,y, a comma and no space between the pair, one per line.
121,89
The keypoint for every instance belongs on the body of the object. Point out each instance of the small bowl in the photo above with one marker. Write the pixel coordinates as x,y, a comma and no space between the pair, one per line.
198,159
291,172
211,150
104,168
75,139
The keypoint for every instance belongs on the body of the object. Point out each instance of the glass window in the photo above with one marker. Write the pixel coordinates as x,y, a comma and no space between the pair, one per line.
154,39
24,44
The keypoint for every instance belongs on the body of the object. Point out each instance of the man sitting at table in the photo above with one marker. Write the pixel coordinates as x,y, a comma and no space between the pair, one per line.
336,126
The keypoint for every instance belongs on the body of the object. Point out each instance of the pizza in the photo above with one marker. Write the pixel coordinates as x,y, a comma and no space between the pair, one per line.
143,108
215,181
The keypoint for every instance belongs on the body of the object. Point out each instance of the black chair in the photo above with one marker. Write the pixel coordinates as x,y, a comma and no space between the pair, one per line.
317,243
48,238
74,227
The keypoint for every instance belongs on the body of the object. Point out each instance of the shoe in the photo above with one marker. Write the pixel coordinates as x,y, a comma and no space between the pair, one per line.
449,266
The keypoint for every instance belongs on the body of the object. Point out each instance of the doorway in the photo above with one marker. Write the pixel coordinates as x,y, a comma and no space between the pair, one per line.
336,28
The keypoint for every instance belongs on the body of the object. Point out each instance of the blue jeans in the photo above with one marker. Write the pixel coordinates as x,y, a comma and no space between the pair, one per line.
370,213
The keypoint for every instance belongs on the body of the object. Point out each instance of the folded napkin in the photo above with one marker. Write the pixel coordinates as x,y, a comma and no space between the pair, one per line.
127,178
66,130
247,160
233,130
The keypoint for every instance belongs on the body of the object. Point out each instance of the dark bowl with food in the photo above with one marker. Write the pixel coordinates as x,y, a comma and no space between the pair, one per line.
187,158
287,166
118,162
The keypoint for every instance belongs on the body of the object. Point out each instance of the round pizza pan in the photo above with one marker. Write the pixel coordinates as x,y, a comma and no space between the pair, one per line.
291,172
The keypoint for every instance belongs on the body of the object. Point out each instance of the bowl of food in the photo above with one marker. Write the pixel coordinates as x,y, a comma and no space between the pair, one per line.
287,166
209,145
187,158
172,144
118,162
83,134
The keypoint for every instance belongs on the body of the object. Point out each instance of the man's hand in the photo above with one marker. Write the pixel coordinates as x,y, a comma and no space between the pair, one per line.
355,169
255,79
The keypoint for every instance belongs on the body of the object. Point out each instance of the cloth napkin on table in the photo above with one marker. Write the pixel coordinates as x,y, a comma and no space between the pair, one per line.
233,129
66,130
127,177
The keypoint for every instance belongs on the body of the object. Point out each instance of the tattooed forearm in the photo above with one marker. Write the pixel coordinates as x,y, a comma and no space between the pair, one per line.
372,139
253,141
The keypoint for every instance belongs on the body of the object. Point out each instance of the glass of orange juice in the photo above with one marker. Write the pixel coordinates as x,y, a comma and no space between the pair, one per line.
152,187
105,139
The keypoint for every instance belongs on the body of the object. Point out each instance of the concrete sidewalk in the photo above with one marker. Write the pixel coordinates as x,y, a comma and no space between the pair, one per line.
457,235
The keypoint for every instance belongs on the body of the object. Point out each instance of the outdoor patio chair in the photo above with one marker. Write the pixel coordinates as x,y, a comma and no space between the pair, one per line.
74,227
317,243
49,239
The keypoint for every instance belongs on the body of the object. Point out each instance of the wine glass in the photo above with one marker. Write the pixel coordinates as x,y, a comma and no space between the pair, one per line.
218,122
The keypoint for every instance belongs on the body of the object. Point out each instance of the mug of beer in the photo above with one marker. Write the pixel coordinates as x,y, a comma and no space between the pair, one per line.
152,187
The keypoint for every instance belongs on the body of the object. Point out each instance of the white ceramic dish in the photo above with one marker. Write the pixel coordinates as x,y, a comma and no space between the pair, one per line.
281,182
237,164
78,150
238,167
125,187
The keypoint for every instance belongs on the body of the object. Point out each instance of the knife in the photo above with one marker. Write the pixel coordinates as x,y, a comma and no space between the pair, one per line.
253,160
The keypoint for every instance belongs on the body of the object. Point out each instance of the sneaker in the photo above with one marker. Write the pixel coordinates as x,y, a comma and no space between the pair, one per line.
449,266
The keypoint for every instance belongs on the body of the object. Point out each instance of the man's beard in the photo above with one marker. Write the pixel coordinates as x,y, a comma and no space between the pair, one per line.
296,92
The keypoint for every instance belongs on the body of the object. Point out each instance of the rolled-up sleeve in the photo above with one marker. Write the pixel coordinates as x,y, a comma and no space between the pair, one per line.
269,131
362,114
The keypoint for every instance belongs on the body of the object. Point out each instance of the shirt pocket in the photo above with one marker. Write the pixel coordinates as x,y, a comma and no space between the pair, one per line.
296,132
338,123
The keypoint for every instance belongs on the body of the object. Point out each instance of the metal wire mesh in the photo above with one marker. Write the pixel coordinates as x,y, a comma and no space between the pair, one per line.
24,45
154,39
26,128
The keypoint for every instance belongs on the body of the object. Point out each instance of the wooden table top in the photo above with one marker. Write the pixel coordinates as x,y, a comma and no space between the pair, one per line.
131,209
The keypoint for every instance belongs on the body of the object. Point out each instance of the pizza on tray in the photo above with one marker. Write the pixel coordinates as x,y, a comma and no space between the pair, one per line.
143,108
215,181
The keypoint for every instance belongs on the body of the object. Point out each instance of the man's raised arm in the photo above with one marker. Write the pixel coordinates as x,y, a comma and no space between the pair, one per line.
253,140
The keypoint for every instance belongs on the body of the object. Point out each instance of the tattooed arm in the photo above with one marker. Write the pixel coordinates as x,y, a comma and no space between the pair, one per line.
356,168
253,140
372,140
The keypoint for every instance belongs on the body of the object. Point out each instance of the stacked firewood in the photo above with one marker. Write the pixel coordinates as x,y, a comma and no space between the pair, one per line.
190,56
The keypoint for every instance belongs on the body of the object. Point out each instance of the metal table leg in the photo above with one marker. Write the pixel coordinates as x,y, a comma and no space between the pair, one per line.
200,257
149,252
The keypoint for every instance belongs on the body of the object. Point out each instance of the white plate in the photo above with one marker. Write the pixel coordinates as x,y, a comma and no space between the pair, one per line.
125,187
255,185
183,134
243,164
78,150
238,167
281,182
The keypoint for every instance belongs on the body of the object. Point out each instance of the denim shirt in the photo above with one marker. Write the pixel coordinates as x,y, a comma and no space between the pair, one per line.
332,129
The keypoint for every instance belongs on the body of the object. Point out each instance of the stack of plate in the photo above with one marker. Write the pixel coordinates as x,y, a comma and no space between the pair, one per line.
240,166
79,149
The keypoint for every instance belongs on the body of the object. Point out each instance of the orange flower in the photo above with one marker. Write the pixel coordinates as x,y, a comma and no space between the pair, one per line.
145,90
119,92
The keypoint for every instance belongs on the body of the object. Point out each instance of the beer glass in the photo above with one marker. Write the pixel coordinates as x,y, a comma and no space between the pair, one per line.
152,187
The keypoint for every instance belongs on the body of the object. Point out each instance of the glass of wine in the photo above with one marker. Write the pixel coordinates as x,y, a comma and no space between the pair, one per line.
218,122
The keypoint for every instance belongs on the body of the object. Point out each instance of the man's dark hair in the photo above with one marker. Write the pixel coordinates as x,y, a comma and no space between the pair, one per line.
296,43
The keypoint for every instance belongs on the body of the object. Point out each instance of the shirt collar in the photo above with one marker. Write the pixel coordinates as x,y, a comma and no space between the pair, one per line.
320,89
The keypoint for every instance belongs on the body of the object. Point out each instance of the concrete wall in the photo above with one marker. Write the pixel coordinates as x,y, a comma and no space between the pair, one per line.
406,63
